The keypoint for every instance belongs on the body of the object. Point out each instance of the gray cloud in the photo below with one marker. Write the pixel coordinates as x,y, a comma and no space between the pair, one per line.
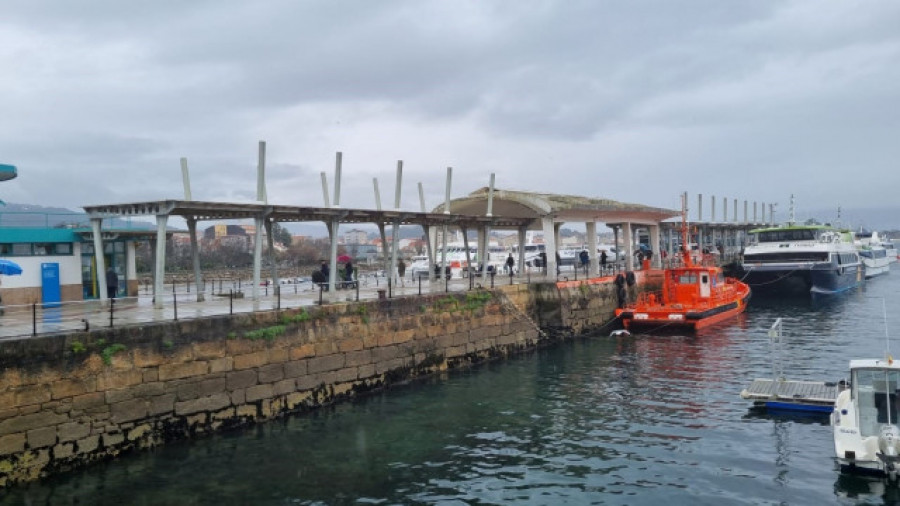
635,101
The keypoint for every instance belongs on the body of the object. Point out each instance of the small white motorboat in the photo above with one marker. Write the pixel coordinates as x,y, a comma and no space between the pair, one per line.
865,419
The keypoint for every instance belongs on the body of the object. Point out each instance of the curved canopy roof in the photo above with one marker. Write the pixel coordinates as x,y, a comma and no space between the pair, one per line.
7,172
561,208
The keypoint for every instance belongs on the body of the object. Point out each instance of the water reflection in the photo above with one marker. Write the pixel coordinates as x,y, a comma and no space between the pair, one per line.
867,490
645,419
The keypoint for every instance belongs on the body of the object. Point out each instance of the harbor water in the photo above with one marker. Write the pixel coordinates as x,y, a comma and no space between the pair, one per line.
647,419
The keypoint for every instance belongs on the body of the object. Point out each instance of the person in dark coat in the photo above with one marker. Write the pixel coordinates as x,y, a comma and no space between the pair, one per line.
112,283
510,263
348,273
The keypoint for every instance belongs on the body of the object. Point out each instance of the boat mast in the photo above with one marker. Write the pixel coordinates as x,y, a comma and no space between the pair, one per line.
685,245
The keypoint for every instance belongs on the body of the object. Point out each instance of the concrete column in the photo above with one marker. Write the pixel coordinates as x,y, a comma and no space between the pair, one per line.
385,260
629,248
482,253
395,250
522,232
699,207
99,259
465,234
429,246
616,243
712,213
195,258
332,257
594,263
654,244
745,211
257,258
735,219
700,238
724,209
556,242
159,268
549,244
131,269
271,244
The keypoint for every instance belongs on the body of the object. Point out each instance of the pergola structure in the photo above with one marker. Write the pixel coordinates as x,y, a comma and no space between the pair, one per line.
265,215
548,211
481,210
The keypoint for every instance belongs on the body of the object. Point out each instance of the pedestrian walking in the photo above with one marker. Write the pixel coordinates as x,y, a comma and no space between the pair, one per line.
401,270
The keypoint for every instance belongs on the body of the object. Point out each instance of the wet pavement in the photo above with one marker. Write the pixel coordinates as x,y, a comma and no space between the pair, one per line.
35,319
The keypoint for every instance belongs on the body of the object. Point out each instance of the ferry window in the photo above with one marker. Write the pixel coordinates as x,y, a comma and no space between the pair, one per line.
5,249
87,248
41,249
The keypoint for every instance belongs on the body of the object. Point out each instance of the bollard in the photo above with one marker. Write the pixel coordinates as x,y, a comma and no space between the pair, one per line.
33,320
278,293
112,305
230,300
492,279
357,289
420,284
321,289
510,276
389,293
174,302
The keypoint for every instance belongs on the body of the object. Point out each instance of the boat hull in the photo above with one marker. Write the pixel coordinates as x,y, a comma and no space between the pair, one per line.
876,266
659,317
820,279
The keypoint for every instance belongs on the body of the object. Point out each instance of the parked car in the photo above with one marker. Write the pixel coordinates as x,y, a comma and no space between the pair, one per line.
418,267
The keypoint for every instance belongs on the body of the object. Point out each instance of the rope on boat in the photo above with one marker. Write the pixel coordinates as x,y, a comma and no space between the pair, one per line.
789,273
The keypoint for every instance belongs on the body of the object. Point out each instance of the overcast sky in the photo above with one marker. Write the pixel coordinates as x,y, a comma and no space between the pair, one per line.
631,100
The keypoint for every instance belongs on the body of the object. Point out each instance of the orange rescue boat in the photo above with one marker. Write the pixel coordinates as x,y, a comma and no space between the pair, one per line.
692,296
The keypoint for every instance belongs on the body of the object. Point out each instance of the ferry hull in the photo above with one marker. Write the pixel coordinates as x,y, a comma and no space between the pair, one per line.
796,279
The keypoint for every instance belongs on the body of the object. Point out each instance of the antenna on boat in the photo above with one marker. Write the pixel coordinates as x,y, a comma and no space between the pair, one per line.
685,245
887,340
791,221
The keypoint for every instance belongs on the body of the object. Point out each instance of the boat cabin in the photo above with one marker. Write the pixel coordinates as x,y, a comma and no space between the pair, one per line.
691,284
875,388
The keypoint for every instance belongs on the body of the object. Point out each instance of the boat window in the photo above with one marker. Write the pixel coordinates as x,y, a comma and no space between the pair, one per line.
787,256
687,279
876,397
786,235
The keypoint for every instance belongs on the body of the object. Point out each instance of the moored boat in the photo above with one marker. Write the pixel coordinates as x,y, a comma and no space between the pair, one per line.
873,253
816,259
692,296
865,419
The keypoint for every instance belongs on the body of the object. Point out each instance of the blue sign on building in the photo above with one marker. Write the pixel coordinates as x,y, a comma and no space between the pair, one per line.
50,292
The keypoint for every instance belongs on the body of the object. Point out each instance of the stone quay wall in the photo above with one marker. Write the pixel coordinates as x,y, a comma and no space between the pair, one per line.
69,400
66,401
